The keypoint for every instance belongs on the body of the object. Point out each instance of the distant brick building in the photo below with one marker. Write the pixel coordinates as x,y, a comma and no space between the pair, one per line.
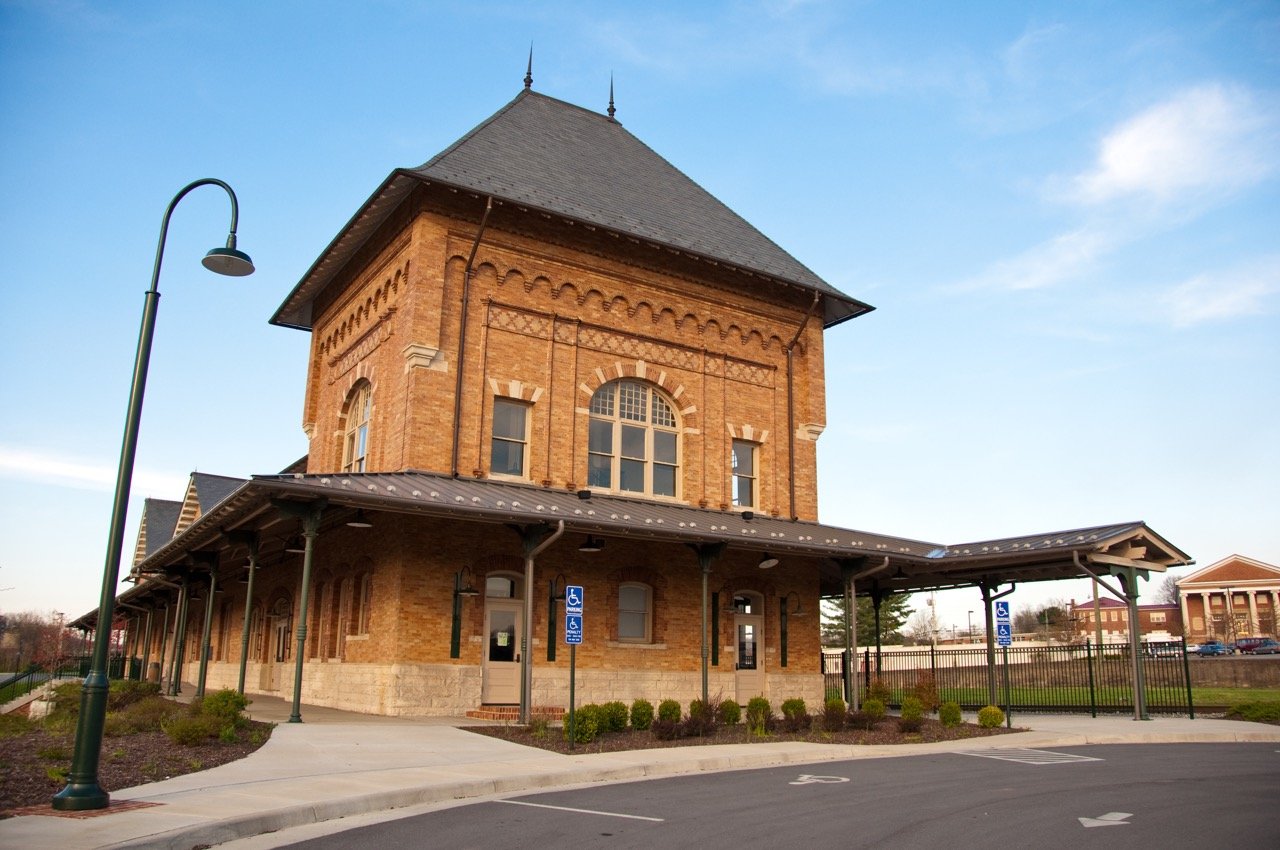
1156,622
1232,598
544,358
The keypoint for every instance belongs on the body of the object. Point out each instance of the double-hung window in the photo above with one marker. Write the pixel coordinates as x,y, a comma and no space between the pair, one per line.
508,454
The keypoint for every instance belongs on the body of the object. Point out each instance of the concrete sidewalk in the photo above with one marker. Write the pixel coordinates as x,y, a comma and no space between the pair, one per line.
337,764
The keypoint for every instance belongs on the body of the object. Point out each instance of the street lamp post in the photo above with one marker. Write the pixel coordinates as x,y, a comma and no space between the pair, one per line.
83,791
970,625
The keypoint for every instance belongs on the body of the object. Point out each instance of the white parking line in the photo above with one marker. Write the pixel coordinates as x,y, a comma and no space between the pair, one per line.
580,811
1026,756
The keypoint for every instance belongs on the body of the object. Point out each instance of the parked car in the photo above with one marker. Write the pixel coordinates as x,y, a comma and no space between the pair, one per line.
1163,649
1248,645
1266,647
1212,647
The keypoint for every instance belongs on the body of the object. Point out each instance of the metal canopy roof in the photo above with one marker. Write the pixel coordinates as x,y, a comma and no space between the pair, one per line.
904,565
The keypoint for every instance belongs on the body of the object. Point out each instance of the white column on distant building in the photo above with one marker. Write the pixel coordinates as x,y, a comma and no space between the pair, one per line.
1186,617
1253,612
1275,611
1207,612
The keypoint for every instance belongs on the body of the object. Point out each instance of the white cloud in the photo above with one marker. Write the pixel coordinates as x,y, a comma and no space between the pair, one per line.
79,474
1053,261
1209,138
1240,291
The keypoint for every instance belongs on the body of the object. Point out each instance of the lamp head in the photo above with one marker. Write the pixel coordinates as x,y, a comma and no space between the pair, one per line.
228,261
768,561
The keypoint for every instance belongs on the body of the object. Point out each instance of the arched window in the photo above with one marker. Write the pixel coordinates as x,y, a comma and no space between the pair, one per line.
634,440
355,427
635,613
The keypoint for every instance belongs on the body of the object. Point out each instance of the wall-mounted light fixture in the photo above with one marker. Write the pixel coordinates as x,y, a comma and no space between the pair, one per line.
555,593
463,585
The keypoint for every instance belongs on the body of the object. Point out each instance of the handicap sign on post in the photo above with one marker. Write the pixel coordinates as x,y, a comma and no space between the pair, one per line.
1004,630
573,614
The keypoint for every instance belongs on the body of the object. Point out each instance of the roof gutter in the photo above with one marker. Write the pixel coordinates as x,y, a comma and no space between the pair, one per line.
462,333
791,405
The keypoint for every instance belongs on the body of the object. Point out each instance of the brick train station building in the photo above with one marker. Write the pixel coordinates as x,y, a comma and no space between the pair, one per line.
545,358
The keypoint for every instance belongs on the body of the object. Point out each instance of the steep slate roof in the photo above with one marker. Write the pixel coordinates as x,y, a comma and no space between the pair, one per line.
550,156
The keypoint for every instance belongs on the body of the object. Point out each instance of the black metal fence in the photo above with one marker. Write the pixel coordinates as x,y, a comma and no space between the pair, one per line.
26,681
1072,678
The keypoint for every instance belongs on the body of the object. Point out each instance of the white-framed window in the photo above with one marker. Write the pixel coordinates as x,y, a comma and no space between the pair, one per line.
1157,616
509,454
633,445
743,460
355,427
635,613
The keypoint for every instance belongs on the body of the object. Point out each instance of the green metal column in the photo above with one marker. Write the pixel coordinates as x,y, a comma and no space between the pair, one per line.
251,540
206,634
310,530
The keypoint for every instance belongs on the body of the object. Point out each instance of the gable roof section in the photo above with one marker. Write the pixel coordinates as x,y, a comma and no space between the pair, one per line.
157,527
1233,568
543,154
203,493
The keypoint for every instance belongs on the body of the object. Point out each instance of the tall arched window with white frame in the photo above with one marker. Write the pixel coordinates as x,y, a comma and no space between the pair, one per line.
634,440
356,414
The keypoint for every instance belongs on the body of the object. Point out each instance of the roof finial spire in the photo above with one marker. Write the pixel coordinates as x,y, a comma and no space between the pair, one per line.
611,109
528,73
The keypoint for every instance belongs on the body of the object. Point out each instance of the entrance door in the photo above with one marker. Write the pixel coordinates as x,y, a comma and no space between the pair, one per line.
501,679
748,625
280,622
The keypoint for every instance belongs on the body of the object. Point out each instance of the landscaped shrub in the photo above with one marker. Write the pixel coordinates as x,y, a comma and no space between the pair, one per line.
225,704
926,690
122,693
696,708
702,718
912,719
641,715
148,714
669,711
614,717
949,714
1259,711
759,716
833,714
874,709
795,715
990,717
729,713
879,690
585,723
666,730
191,730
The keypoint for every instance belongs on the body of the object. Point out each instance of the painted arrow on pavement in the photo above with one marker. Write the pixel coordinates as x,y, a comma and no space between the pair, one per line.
1109,819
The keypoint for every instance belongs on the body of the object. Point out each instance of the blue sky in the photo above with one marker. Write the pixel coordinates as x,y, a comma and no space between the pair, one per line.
1066,214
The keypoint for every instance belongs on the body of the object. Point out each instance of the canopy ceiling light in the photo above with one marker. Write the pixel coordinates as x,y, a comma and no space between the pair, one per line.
767,562
593,544
359,520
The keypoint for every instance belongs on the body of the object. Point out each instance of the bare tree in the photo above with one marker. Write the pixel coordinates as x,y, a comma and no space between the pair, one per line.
1166,592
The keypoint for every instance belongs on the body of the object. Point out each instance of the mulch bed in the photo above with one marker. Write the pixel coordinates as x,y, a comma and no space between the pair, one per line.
885,732
33,764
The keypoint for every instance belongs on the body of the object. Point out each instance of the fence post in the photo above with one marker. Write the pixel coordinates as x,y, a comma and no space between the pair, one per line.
1093,699
1186,672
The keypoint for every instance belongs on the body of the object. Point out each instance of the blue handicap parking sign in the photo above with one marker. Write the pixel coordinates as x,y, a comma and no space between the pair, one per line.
573,628
573,599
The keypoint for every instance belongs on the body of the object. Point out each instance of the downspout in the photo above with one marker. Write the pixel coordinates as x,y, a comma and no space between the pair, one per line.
462,334
791,405
526,654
